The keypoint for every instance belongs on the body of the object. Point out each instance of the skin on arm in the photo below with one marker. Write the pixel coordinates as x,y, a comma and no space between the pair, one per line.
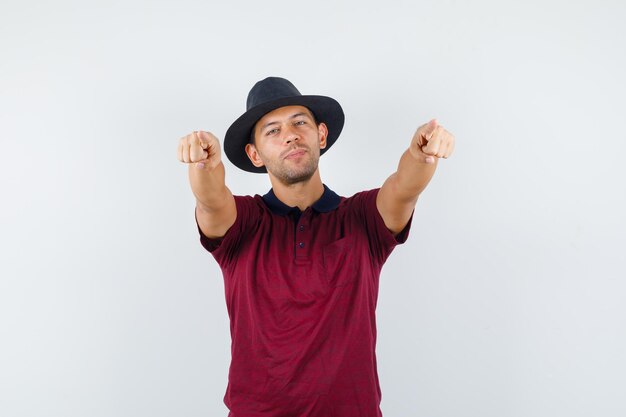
215,205
398,195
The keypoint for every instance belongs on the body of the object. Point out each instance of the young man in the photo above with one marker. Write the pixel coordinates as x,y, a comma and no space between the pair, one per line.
301,264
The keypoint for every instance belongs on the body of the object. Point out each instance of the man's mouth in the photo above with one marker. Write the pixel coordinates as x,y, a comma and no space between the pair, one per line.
295,153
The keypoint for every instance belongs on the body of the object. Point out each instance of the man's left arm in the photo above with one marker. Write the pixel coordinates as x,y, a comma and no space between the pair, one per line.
398,195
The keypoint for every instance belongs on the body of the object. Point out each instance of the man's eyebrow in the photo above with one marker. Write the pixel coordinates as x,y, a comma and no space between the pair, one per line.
299,114
293,116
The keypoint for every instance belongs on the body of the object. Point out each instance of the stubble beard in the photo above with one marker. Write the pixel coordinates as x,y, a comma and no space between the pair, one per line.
290,175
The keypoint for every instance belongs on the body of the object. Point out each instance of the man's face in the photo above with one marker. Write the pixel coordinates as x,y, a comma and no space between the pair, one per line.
288,142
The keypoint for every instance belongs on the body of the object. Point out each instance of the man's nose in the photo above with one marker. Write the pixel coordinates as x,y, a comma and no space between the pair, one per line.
290,134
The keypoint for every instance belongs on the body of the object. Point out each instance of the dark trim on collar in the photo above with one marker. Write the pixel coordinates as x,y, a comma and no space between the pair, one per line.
327,202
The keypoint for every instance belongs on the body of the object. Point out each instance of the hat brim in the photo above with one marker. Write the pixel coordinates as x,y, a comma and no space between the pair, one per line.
325,109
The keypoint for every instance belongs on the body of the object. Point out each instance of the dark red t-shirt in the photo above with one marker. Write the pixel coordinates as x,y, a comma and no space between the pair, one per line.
301,291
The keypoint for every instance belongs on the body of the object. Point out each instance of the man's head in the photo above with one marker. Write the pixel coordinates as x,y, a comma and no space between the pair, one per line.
288,143
265,98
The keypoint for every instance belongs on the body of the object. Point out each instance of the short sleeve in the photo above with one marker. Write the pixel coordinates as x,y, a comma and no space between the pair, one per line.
382,240
224,248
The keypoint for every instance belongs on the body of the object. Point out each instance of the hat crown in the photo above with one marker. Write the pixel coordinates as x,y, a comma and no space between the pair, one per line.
270,89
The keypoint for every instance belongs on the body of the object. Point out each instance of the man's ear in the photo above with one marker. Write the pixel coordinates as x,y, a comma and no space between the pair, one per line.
322,130
254,156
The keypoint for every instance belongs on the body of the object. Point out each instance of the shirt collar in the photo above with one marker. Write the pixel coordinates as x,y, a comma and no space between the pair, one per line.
327,202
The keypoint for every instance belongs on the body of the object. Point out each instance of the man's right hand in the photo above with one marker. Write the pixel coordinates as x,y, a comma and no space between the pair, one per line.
200,147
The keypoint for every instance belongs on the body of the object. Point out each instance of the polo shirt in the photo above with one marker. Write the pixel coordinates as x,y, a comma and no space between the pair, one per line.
301,291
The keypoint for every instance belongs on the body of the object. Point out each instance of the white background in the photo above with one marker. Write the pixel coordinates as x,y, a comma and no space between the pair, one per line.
507,299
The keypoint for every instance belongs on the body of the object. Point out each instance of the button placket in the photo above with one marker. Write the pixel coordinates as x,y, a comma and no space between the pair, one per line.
302,237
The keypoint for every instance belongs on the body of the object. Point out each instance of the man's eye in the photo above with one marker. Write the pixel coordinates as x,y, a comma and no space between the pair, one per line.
271,132
300,122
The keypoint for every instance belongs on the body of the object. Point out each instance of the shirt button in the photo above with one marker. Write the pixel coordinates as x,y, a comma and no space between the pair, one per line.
301,228
301,244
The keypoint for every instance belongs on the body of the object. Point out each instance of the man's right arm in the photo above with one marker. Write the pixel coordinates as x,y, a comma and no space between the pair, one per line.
215,205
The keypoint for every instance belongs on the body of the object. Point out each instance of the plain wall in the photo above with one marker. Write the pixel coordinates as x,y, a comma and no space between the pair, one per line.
507,299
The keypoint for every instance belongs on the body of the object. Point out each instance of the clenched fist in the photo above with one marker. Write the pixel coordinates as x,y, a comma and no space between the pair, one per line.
200,147
432,140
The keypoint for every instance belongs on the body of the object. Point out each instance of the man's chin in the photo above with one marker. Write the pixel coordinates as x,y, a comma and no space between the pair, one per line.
291,178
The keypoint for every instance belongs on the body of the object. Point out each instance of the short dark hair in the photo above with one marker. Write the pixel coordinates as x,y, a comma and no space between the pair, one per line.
251,139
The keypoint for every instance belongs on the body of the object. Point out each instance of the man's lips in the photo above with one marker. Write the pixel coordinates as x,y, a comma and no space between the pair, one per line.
295,154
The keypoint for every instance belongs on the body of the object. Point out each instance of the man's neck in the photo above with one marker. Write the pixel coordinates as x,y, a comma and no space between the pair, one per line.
302,194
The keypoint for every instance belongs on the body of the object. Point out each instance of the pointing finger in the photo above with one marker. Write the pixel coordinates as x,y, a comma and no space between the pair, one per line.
197,153
424,132
203,139
434,143
429,128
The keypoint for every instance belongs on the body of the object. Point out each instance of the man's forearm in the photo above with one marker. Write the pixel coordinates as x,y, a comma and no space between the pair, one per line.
398,195
209,187
412,176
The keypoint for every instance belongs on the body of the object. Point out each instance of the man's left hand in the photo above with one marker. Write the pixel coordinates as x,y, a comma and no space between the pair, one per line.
431,141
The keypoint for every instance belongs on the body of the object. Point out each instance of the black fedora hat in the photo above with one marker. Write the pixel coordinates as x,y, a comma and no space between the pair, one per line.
270,94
